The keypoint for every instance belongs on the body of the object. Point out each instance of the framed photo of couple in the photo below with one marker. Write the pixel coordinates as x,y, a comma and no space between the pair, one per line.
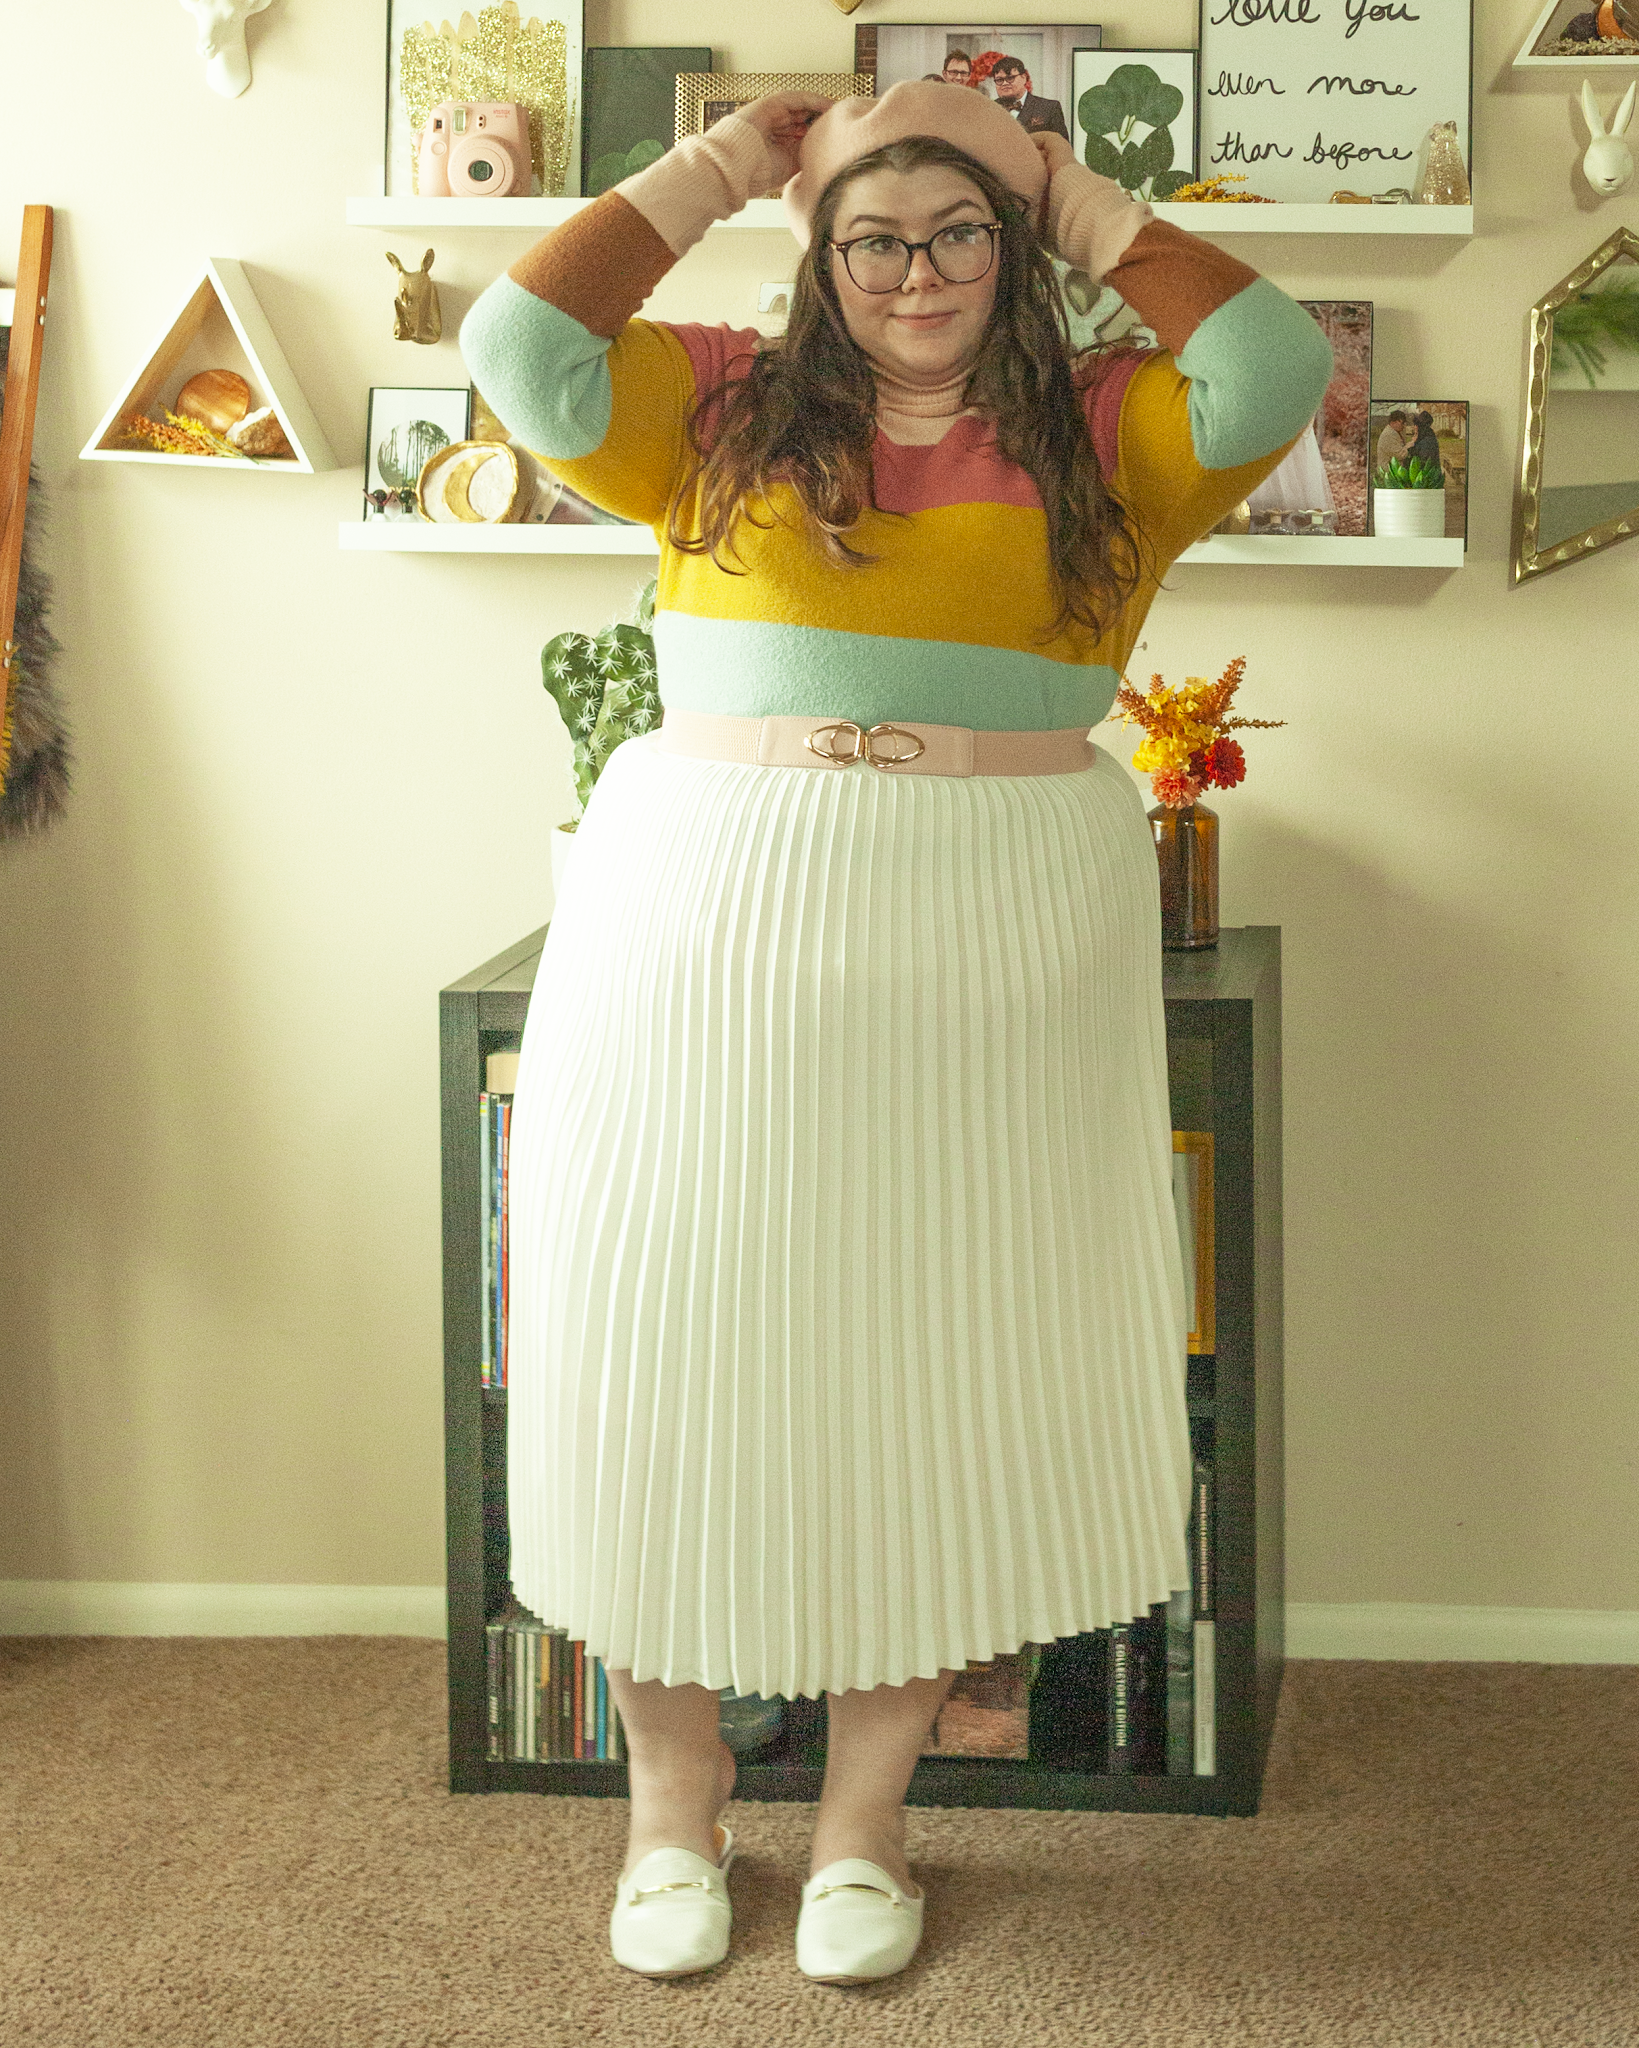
1026,66
1435,428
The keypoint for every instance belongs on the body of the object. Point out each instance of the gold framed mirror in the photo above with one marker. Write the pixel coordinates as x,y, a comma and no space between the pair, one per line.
1578,487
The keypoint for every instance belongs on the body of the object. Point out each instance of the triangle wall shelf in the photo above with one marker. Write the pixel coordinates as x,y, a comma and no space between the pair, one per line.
219,325
1548,27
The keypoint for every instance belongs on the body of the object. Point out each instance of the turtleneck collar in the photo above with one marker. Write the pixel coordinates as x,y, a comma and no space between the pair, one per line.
920,401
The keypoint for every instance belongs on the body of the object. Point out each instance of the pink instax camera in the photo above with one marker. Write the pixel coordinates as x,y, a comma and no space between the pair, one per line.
475,149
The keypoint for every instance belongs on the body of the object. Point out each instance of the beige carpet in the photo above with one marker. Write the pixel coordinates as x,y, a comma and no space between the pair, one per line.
244,1842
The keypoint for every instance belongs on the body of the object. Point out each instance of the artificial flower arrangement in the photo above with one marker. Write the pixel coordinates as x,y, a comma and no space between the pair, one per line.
177,434
1187,747
1206,191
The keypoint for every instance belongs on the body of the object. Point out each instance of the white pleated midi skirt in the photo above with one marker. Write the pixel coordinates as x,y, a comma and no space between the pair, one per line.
848,1336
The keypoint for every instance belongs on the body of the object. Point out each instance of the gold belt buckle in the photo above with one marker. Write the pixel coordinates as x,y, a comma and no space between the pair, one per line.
861,749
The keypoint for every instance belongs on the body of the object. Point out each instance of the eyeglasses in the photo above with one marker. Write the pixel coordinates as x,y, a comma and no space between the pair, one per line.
961,254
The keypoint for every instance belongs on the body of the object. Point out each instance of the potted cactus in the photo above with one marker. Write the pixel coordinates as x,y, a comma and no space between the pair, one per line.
604,685
1409,498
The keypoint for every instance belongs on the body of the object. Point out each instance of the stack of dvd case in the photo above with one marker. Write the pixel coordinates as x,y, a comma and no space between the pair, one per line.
548,1701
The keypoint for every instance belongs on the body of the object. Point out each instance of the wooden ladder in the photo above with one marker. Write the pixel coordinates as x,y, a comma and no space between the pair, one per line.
17,439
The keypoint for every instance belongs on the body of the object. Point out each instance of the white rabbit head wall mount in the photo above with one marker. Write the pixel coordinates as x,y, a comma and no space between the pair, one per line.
221,25
1608,162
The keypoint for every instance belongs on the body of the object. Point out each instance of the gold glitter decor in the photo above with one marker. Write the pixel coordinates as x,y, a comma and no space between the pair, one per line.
494,56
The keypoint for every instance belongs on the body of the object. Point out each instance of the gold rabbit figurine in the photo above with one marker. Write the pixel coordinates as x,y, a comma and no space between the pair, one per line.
416,316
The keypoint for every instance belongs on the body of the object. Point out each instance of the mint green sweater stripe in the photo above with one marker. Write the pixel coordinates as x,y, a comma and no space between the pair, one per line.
1258,369
755,668
546,375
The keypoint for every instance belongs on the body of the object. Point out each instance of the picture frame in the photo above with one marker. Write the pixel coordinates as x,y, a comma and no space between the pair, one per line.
1448,422
892,52
395,452
706,97
1321,486
629,109
528,51
1145,104
1306,101
1192,1169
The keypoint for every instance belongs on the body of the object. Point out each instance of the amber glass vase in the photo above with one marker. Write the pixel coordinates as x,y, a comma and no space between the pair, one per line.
1186,844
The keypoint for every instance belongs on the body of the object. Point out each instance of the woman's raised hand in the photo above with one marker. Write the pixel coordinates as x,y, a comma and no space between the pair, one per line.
1055,154
1055,151
783,119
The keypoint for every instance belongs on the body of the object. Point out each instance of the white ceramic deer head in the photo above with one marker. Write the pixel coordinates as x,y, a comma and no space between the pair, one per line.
222,42
1608,164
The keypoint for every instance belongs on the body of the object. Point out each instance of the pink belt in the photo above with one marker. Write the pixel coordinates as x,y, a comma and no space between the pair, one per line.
799,741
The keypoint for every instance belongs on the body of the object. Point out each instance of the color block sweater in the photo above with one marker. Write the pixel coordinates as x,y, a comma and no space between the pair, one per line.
953,622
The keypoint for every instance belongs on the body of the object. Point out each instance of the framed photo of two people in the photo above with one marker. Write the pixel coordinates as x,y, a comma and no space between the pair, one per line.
1026,67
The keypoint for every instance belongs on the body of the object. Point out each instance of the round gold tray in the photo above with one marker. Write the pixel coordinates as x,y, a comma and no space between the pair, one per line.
444,488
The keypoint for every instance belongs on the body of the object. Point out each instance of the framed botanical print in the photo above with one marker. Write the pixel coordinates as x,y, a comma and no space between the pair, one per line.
1132,118
629,110
505,55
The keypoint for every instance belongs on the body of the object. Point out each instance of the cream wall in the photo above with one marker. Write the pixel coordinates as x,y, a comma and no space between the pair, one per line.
314,787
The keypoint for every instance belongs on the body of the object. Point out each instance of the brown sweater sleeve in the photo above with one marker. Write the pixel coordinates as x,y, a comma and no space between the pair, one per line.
1173,280
599,267
603,263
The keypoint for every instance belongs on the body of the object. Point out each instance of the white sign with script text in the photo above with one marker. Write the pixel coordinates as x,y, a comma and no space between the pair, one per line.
1311,97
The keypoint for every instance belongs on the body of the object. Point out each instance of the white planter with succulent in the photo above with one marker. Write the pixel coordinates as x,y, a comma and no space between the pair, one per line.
1409,499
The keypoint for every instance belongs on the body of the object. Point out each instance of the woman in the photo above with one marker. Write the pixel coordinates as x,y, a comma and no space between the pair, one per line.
848,1321
1426,447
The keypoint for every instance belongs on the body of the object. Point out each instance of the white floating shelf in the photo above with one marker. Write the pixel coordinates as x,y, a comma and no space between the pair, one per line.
1268,550
519,213
1326,551
1289,217
1549,26
768,215
423,537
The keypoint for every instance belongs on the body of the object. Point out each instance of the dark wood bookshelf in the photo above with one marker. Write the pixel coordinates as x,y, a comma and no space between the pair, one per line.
1223,1054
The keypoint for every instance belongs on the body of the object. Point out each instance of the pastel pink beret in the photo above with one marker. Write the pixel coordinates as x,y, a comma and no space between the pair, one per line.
921,106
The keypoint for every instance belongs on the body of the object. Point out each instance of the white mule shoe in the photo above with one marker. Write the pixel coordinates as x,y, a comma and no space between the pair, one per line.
856,1924
671,1913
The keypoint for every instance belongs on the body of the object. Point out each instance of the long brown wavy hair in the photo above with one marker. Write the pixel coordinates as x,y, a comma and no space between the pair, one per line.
805,412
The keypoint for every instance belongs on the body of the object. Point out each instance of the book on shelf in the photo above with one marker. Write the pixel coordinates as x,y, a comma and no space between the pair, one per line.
1203,1621
548,1701
494,1160
1135,1697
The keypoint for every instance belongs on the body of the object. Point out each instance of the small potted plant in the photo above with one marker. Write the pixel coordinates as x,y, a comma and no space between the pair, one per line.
604,684
1409,498
1186,749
